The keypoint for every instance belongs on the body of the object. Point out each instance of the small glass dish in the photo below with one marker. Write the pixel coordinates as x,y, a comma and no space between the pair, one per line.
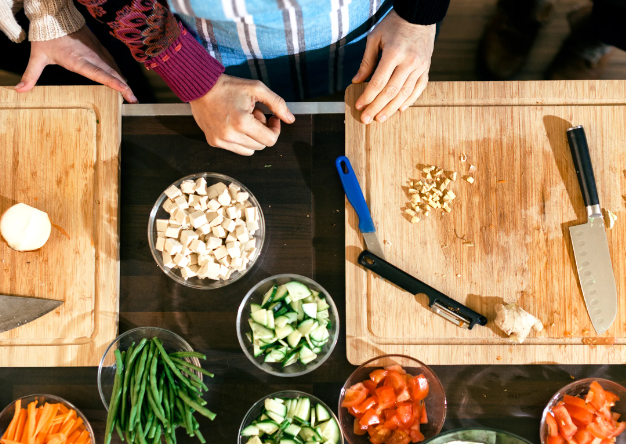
436,404
581,387
473,434
7,414
195,282
255,296
106,371
258,407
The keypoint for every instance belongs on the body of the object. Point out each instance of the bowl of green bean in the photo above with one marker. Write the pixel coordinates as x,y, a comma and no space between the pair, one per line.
151,382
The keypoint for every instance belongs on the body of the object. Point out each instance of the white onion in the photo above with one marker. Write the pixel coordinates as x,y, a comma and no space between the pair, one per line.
25,228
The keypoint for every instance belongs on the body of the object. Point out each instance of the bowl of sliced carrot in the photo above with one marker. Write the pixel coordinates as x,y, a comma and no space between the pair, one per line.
44,419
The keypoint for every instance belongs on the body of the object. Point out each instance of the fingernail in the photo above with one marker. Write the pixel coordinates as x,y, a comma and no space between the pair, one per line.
133,99
124,86
404,108
19,85
358,107
382,118
367,120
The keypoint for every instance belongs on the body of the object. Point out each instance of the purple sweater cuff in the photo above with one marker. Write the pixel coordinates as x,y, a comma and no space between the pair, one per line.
186,67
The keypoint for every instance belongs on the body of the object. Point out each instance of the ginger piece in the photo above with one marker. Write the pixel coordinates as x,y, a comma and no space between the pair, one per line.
516,322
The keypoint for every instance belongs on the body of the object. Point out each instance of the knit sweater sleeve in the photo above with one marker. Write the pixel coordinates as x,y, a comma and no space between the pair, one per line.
161,43
421,12
51,19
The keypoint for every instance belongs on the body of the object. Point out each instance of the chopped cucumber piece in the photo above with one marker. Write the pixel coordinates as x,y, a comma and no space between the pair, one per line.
283,332
309,434
281,292
251,430
281,321
303,412
268,426
260,332
276,418
297,290
294,338
310,310
254,307
305,327
330,431
274,356
291,358
260,317
270,319
292,430
269,296
272,406
306,355
322,305
321,413
256,350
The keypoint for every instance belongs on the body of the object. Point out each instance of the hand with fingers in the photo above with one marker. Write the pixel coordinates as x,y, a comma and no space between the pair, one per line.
79,52
401,74
230,120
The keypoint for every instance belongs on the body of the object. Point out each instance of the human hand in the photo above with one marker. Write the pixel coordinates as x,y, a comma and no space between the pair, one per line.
402,73
79,52
230,120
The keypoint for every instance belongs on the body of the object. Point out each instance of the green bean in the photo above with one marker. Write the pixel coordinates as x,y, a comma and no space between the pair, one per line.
200,437
127,370
148,426
157,435
166,408
119,430
161,386
195,398
153,429
142,363
153,379
172,400
137,408
169,362
197,407
181,412
187,354
115,396
189,420
157,411
139,434
192,366
168,374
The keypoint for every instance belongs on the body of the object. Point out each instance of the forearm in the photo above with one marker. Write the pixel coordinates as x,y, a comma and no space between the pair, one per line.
51,19
421,12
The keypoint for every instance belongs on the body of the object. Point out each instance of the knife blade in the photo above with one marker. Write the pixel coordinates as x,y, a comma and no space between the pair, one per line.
357,200
589,242
20,310
439,303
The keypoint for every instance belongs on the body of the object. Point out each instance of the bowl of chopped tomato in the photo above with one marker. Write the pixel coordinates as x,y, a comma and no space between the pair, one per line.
392,399
585,412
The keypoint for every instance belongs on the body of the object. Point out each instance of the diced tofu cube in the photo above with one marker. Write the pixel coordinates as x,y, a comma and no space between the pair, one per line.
224,270
173,192
204,229
193,259
236,263
224,198
213,242
161,224
220,211
181,260
200,186
204,201
230,238
197,246
198,218
213,205
224,261
169,205
219,231
231,212
242,196
233,249
252,225
240,222
220,252
210,270
233,189
160,243
188,237
194,202
228,225
215,190
216,221
167,260
250,245
160,233
242,234
251,214
190,271
185,251
173,231
181,202
172,246
179,215
187,186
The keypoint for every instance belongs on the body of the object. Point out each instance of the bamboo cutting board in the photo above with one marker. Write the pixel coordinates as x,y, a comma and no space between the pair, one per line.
516,214
59,153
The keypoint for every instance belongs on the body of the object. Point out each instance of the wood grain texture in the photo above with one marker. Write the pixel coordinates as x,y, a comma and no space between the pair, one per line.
516,214
60,148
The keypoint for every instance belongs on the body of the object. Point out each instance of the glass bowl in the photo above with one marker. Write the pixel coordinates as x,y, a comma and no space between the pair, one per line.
255,296
7,414
106,371
436,404
194,282
259,406
482,435
581,387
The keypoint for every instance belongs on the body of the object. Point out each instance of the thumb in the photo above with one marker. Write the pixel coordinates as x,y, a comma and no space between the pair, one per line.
36,64
274,102
370,57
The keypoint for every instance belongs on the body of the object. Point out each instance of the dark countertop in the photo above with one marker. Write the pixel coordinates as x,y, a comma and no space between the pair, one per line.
302,200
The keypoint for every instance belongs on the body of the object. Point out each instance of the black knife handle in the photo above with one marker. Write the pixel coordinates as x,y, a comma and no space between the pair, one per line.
582,162
414,286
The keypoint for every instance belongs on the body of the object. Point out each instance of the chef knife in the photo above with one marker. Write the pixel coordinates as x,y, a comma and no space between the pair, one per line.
591,248
439,303
355,197
20,310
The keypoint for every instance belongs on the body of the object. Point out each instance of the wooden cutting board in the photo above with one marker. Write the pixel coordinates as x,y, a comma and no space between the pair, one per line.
59,153
516,215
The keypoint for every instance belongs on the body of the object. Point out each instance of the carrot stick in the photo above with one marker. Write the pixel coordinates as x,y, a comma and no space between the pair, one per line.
21,421
63,409
54,429
32,423
70,416
71,439
78,423
83,437
10,433
67,427
8,441
43,419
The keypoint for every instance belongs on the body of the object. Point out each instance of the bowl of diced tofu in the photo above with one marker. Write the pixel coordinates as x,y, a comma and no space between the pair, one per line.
206,230
290,417
287,325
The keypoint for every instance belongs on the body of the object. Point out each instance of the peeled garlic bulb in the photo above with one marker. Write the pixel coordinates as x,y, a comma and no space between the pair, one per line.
25,228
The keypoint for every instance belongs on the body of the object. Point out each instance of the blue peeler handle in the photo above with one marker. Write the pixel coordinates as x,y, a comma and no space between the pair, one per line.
355,195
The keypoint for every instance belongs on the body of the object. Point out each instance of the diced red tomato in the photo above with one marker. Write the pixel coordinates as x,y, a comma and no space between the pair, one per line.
556,440
368,404
370,386
416,435
621,426
578,402
583,416
404,412
611,397
583,436
564,421
378,375
599,396
358,430
379,434
392,423
553,428
354,395
386,397
369,418
419,387
615,416
355,413
596,430
404,395
399,437
395,380
396,368
424,418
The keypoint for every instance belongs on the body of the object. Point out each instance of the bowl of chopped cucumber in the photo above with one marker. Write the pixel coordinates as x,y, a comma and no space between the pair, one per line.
287,325
290,417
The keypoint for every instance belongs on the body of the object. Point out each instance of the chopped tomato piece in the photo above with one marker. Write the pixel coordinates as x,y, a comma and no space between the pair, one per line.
599,396
378,375
556,440
354,395
578,402
424,417
370,386
611,397
355,413
405,414
596,430
416,436
564,421
553,428
396,368
395,380
404,395
583,436
386,397
369,418
615,416
379,434
392,423
368,404
419,387
621,426
399,437
581,415
357,428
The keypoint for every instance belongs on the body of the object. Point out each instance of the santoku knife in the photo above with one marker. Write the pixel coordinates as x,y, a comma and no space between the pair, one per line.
591,248
20,310
355,197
